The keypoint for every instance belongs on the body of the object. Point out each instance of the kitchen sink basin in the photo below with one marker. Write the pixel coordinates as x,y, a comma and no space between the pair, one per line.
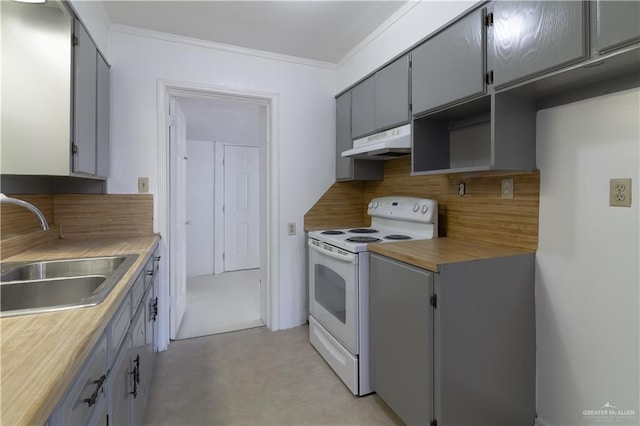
60,268
34,287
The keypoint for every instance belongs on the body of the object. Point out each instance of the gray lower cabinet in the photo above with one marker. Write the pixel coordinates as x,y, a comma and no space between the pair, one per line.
529,38
391,94
618,24
349,168
113,385
85,400
450,66
120,386
457,346
400,338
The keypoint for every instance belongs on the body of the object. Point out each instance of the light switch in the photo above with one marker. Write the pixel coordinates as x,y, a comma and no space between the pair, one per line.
143,184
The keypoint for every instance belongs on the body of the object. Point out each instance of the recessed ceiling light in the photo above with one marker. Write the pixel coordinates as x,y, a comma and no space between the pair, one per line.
30,1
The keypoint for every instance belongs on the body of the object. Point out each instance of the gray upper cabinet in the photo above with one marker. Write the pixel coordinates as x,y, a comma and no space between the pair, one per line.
343,136
618,24
348,168
91,107
85,96
449,67
391,94
362,109
102,133
382,100
528,38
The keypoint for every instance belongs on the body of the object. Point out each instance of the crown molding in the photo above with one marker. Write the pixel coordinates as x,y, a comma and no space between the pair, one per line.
140,32
399,14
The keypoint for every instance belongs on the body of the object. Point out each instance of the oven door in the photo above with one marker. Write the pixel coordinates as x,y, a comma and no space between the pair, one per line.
333,291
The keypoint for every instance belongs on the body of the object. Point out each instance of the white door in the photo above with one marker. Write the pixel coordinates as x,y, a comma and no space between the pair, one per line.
241,208
200,190
178,202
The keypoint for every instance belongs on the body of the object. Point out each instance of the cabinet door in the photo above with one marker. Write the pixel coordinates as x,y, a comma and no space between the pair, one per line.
401,333
362,109
121,386
618,24
102,133
85,54
450,66
391,94
528,38
75,408
149,334
344,165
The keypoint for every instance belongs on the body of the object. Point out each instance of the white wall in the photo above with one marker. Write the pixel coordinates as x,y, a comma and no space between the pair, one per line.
396,36
305,140
587,275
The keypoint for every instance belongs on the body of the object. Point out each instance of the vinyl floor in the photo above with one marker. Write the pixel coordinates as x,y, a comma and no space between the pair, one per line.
255,377
221,303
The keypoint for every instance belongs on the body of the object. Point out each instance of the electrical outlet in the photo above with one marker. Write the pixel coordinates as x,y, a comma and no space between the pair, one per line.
291,228
507,188
620,192
462,189
143,184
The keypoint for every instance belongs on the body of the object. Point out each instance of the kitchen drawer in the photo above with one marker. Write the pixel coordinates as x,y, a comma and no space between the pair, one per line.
120,324
138,290
86,394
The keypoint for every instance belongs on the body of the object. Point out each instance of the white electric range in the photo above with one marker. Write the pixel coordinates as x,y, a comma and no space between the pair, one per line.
339,281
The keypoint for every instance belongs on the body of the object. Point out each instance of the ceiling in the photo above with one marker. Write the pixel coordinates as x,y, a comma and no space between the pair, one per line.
319,30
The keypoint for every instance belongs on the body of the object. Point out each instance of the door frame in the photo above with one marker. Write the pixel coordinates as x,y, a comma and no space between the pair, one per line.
269,248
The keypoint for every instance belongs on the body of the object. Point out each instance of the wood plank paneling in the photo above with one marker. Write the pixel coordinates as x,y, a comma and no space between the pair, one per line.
15,220
339,207
480,215
106,215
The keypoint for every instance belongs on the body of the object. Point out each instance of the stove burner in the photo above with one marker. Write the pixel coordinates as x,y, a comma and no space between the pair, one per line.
363,231
398,237
363,239
332,232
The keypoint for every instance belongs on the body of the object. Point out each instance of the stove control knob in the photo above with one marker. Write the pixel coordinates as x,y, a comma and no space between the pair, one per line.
425,209
416,207
375,204
371,204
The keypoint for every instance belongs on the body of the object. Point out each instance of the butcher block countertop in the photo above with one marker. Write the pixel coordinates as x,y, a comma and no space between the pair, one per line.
41,354
432,254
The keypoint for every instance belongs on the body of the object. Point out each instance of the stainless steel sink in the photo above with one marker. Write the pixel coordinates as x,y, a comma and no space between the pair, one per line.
34,287
60,268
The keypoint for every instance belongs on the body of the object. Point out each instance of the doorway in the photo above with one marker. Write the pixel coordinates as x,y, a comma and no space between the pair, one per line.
266,105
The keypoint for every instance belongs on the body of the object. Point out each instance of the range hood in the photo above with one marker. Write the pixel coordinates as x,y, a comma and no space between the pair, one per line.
387,145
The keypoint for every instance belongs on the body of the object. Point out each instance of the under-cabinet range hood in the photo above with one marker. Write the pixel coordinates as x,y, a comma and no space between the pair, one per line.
387,145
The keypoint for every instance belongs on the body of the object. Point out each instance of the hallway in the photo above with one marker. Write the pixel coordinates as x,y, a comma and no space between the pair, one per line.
255,377
221,303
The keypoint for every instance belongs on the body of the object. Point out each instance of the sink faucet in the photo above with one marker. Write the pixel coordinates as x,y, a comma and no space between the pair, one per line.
29,206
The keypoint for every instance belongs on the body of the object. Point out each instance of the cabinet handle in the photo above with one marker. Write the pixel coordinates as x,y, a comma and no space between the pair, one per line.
153,314
136,376
157,258
92,399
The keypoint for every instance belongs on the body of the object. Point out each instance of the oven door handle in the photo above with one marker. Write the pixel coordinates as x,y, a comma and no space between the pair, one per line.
343,257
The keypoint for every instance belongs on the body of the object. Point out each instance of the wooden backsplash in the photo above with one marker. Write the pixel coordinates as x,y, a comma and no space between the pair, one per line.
481,214
15,220
74,216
